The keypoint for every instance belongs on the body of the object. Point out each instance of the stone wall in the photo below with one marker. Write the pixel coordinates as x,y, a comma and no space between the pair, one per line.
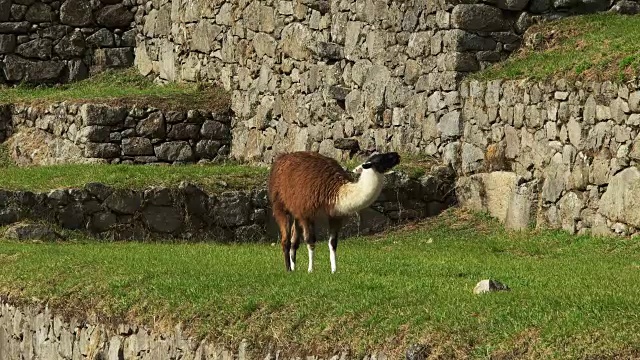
306,74
94,132
61,41
188,212
553,154
34,332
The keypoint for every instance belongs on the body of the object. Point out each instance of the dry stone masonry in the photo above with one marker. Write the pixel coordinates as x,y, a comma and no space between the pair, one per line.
552,154
60,41
188,212
308,74
94,132
36,332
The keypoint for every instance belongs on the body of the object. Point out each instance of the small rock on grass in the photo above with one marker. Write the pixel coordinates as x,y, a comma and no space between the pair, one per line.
417,352
489,285
26,231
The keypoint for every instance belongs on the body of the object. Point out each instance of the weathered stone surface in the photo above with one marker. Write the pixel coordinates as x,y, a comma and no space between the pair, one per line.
417,352
98,114
39,12
622,195
102,221
295,39
184,131
26,231
21,27
153,126
450,125
5,10
522,210
114,16
72,45
126,202
204,34
231,209
626,7
510,4
489,285
478,17
101,38
460,40
18,69
7,43
37,49
113,57
137,146
555,180
214,130
72,217
490,192
174,151
102,150
207,149
94,133
472,158
163,219
76,70
76,13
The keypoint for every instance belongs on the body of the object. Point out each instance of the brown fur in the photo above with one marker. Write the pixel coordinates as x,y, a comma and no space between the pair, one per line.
304,185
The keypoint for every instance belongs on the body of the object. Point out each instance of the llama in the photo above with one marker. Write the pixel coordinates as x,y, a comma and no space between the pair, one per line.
304,186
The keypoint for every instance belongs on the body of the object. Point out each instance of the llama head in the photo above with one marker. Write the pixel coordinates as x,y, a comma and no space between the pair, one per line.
381,163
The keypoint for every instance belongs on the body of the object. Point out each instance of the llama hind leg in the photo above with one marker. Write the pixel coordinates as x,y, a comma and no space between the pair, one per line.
334,228
308,231
295,243
282,219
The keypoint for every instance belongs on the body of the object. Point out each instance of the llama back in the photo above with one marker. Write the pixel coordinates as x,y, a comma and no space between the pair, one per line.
306,182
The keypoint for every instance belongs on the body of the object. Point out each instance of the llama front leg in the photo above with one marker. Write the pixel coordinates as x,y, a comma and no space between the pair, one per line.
334,228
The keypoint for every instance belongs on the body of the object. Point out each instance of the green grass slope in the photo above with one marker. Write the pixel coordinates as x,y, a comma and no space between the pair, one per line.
591,47
212,178
571,297
122,87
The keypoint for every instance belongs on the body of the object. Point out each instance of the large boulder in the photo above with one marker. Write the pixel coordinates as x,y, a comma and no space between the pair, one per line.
478,17
98,114
76,13
115,16
488,192
622,198
25,231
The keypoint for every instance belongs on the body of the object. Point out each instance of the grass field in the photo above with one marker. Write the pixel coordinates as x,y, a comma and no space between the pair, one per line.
122,87
212,178
226,176
591,47
570,296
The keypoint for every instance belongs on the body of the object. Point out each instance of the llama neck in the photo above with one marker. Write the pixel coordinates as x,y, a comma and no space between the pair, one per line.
354,197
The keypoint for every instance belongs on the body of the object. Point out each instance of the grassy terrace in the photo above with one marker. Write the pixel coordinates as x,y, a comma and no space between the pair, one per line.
571,296
211,178
121,87
593,47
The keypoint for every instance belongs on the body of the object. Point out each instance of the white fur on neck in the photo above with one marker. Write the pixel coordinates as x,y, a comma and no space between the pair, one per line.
354,197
